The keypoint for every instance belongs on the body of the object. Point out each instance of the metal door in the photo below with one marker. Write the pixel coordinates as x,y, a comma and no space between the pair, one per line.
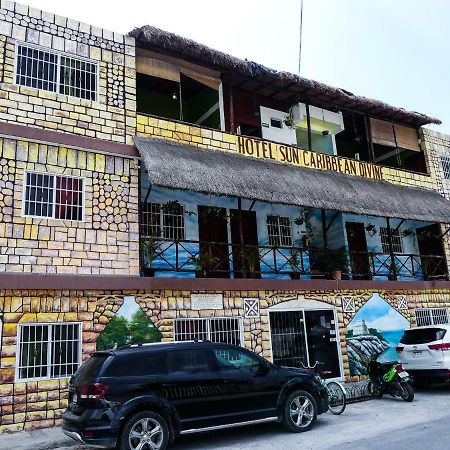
288,338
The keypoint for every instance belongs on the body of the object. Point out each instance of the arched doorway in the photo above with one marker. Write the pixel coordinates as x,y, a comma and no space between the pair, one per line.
303,332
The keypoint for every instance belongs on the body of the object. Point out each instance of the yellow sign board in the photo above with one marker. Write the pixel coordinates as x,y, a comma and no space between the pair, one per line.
304,158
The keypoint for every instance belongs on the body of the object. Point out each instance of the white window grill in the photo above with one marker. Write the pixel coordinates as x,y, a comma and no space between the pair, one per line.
53,196
432,316
165,220
52,71
46,351
279,231
226,330
445,162
397,244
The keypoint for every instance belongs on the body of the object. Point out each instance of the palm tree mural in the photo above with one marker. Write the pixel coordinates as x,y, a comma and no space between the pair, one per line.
129,326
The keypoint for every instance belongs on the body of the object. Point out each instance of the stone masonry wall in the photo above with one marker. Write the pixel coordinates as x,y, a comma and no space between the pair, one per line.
39,404
153,127
36,404
106,242
112,117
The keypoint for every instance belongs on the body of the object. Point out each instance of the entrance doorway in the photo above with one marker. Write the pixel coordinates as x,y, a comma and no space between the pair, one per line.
245,261
430,243
303,337
213,237
357,246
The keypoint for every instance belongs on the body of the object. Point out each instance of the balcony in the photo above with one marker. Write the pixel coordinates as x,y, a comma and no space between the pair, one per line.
203,259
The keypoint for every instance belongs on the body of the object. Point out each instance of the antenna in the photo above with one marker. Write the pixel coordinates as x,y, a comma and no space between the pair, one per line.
300,43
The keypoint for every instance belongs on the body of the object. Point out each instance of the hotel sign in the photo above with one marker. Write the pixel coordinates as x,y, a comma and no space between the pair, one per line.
206,301
304,158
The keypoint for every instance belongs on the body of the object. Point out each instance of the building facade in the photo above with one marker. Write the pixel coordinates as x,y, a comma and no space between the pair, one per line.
224,200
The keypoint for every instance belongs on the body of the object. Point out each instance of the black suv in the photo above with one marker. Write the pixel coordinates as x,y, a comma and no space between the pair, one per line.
142,397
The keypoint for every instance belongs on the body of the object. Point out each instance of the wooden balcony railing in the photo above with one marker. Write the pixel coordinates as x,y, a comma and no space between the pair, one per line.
224,260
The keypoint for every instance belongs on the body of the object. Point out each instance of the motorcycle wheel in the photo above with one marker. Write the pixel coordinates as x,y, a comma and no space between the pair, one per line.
374,391
407,392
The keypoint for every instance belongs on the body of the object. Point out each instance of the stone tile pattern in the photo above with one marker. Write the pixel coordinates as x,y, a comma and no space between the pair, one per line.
32,405
106,242
111,118
39,404
153,127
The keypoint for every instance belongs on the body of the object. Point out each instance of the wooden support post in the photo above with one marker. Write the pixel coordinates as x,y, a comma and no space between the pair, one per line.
308,124
369,138
324,229
241,238
231,100
393,268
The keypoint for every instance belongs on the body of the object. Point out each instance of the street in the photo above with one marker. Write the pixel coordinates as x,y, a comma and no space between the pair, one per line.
379,424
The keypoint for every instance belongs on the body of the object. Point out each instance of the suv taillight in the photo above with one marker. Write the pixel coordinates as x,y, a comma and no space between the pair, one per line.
399,368
93,391
439,346
398,349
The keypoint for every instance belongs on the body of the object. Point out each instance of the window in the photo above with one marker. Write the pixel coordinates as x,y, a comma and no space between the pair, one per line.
279,231
432,316
165,220
53,196
416,336
191,360
215,329
45,69
397,244
445,161
48,350
135,365
230,358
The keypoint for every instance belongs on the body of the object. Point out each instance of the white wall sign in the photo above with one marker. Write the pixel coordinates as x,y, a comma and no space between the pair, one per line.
206,301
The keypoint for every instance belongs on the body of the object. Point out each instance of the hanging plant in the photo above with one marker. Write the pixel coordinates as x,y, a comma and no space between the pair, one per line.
371,229
408,232
300,220
289,121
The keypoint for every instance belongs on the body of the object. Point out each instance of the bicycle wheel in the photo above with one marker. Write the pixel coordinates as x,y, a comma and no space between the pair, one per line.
337,398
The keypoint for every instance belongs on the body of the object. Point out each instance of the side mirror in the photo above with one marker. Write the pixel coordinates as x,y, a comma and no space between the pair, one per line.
263,369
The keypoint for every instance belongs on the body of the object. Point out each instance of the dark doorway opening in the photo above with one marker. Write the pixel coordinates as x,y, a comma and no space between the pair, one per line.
357,246
244,237
213,237
432,253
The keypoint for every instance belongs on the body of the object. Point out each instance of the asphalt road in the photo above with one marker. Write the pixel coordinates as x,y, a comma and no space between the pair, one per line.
374,425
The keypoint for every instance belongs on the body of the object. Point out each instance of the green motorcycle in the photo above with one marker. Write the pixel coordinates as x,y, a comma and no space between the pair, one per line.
389,378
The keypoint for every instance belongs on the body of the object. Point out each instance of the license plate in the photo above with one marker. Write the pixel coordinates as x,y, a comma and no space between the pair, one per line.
75,399
403,375
417,353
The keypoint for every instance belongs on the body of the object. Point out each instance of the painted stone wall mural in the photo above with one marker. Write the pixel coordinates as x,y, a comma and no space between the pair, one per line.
130,325
374,331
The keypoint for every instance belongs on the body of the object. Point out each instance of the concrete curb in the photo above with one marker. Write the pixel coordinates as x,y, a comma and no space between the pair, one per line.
45,439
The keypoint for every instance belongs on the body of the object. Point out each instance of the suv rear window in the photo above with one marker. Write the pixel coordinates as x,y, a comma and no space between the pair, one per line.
134,365
422,336
89,369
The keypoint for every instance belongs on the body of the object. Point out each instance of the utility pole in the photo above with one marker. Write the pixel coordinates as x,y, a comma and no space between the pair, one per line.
300,42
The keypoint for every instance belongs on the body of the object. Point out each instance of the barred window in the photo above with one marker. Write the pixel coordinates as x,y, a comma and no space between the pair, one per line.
216,329
397,244
445,161
45,69
279,231
166,220
48,351
53,196
432,316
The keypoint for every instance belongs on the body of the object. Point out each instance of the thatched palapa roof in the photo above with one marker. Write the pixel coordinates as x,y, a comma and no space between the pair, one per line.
283,86
176,166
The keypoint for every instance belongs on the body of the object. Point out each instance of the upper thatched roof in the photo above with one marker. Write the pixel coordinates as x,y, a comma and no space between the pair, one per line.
283,86
177,166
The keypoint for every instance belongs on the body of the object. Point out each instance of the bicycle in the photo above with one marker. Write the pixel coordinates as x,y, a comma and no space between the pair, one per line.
337,396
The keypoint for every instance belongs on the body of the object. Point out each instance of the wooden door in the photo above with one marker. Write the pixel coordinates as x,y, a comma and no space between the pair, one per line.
431,250
357,245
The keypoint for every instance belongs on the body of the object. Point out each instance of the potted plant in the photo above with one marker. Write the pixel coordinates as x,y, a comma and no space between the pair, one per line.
294,260
150,248
252,258
289,121
336,261
204,262
408,232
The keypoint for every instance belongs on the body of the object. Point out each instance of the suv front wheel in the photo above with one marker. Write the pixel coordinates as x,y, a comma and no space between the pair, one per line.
146,430
300,412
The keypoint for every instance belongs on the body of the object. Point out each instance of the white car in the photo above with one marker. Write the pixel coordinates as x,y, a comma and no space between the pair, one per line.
424,352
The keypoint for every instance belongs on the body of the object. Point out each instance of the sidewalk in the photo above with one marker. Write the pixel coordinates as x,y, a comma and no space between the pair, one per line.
51,438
